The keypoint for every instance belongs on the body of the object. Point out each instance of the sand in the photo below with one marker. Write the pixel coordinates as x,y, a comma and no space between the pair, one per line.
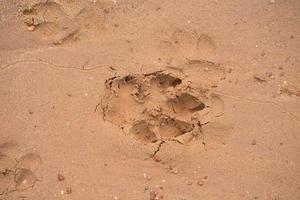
149,100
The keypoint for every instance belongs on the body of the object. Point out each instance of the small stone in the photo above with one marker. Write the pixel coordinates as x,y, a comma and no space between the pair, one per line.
146,188
106,11
156,158
279,92
173,170
153,195
200,183
229,70
31,28
147,177
69,190
60,177
189,183
205,177
253,142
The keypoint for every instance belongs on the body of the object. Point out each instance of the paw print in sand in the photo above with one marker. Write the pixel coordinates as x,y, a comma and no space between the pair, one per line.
159,106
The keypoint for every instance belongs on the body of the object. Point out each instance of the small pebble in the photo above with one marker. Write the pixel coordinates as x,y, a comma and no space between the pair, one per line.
106,11
189,183
146,188
229,70
31,28
253,142
200,183
156,158
60,177
69,190
147,177
153,195
175,171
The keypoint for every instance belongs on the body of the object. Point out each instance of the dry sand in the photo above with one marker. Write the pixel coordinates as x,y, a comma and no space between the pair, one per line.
149,99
